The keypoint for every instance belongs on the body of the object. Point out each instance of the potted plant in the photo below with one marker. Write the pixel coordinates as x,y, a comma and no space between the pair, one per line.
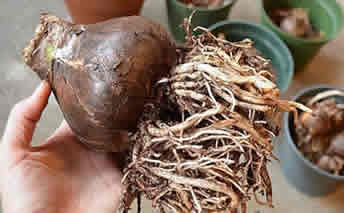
294,21
302,155
205,14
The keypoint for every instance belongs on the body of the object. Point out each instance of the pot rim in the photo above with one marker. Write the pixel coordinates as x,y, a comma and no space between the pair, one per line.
201,9
328,38
289,59
290,139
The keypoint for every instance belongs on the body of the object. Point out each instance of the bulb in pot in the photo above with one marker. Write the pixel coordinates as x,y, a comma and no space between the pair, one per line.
337,145
101,74
297,23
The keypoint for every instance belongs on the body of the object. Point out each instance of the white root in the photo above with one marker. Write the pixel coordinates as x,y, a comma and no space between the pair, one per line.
229,99
183,68
185,85
229,179
201,183
233,99
210,93
185,76
204,132
160,132
191,94
196,201
323,95
296,105
258,81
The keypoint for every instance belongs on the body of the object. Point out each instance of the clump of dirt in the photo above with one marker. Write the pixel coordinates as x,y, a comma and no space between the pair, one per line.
296,22
320,134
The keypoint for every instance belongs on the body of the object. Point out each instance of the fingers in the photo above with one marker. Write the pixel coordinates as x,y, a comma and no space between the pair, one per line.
61,137
24,117
63,131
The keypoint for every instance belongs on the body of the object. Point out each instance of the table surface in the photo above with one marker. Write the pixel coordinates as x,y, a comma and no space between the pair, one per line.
19,18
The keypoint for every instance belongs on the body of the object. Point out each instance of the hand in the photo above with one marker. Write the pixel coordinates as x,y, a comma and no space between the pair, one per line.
59,176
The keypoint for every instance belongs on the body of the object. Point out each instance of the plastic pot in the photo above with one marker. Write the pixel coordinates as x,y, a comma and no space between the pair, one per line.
299,171
177,11
93,11
266,42
325,15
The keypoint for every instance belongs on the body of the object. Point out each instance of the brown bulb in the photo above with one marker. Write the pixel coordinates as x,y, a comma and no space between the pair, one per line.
316,123
327,163
293,27
337,145
101,74
297,23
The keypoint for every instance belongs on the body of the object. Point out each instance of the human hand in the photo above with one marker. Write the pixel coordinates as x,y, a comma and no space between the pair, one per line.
59,176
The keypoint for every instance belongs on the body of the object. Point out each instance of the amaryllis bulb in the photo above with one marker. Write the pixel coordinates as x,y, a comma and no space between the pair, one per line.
101,74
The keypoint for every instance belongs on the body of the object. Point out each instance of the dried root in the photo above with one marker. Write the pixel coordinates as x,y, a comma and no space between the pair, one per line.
204,144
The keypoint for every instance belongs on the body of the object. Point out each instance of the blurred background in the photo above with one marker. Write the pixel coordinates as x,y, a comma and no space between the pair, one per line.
18,20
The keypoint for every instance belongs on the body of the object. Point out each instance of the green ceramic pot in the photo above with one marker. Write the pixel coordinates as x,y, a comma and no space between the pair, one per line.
326,15
299,171
266,42
204,17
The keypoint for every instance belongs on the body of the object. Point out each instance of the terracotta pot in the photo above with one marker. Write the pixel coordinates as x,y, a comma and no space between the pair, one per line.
92,11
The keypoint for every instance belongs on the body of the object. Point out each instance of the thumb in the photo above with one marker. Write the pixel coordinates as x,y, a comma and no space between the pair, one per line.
24,117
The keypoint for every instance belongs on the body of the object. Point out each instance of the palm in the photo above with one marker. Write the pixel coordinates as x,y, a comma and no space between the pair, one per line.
66,176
